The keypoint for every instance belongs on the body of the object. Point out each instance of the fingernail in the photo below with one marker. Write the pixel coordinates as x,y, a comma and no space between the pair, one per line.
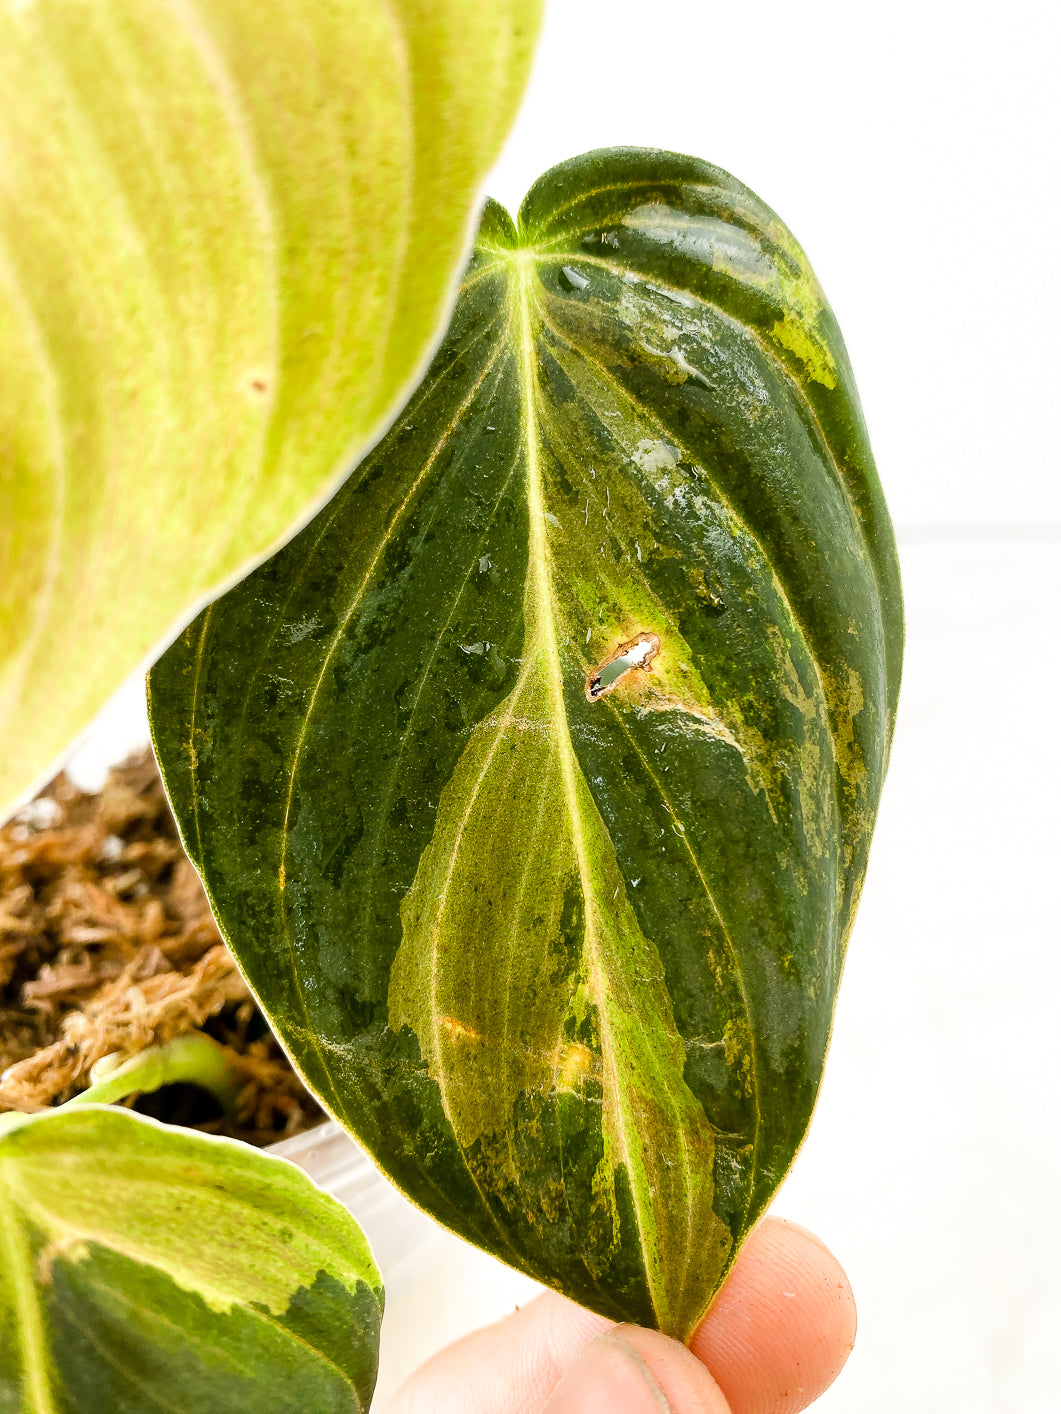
607,1377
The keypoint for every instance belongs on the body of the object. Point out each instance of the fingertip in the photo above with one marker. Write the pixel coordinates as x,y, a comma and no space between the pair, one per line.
628,1370
508,1368
783,1325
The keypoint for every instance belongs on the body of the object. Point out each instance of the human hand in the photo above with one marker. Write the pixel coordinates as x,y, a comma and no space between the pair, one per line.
776,1337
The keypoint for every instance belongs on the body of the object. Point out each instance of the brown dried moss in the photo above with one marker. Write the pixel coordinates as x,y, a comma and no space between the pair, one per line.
107,945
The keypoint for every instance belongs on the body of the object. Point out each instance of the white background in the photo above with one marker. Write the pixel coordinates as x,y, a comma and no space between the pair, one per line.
912,148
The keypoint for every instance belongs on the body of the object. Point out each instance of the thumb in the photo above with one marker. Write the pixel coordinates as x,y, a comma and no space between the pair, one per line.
628,1370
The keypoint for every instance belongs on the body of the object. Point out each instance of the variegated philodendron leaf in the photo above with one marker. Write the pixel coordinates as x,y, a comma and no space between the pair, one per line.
145,1268
229,230
533,782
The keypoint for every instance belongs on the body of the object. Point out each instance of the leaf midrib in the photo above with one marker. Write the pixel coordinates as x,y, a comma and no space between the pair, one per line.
540,557
18,1264
540,584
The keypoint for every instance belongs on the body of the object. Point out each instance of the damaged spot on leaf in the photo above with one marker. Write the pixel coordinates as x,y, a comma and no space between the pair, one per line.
256,384
636,653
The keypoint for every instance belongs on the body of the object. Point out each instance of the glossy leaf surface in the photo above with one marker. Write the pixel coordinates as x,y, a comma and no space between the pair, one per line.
228,232
147,1268
533,782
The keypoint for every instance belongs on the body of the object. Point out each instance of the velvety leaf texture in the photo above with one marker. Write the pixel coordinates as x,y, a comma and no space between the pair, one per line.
533,782
229,230
147,1268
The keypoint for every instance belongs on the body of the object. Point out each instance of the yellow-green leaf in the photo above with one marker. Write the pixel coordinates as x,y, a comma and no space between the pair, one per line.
145,1268
533,783
227,234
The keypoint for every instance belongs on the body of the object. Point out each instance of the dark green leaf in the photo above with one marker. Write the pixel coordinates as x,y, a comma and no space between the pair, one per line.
146,1268
533,783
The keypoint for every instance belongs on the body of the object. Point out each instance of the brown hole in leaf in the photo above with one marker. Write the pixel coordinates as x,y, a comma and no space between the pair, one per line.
636,654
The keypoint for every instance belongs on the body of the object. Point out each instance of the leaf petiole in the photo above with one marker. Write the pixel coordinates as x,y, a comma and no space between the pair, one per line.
194,1059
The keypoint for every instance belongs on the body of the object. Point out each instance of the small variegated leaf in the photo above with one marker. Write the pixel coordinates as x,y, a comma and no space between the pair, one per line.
145,1268
533,783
